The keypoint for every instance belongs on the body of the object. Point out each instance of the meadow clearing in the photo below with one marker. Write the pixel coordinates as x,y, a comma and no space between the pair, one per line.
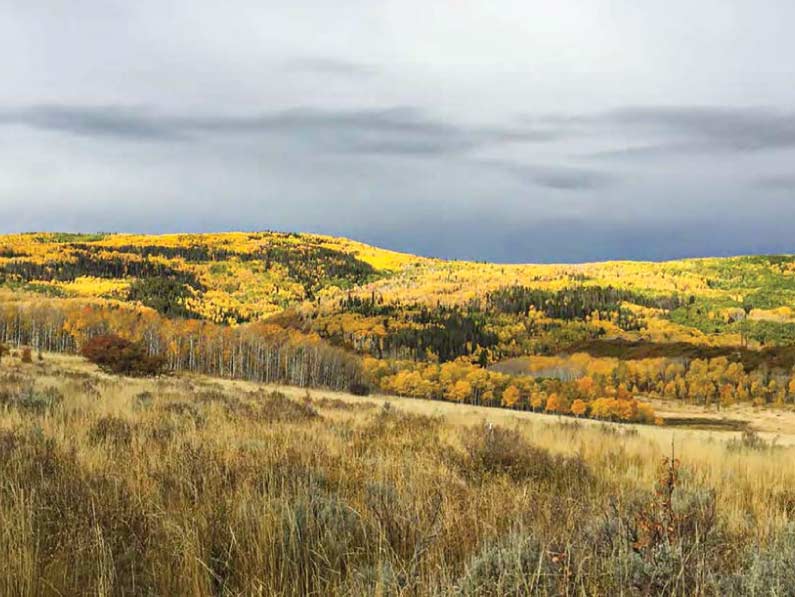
190,485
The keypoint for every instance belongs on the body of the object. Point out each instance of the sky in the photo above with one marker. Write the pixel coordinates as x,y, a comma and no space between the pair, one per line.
507,130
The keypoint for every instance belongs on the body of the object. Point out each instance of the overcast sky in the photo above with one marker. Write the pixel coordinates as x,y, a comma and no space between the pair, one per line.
505,130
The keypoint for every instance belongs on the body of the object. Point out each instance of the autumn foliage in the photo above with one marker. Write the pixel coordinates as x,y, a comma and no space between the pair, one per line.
27,355
114,354
309,310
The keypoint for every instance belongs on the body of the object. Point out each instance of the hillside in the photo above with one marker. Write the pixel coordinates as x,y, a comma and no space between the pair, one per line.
226,278
238,277
549,337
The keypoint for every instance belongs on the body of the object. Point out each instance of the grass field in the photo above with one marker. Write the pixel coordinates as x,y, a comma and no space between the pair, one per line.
197,486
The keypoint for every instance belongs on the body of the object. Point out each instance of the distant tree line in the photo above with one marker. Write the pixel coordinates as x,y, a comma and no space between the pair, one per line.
446,332
576,302
85,263
309,265
165,295
416,331
257,351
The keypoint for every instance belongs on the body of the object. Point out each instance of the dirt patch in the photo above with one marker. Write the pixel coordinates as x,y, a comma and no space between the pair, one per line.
707,423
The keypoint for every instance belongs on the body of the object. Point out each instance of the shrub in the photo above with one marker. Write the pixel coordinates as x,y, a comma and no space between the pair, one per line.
666,542
4,350
28,400
513,566
493,449
114,354
358,388
769,568
320,536
278,407
111,430
749,440
27,355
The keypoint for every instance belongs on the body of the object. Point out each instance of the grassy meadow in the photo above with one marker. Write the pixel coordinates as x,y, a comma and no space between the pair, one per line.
190,485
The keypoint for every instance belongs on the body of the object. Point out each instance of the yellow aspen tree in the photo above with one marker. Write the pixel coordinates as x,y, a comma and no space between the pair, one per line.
510,396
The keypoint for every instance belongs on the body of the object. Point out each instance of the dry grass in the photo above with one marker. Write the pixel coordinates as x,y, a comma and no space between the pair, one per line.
194,486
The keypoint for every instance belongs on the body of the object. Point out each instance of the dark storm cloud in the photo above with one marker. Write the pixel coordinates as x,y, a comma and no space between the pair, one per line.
581,239
567,178
713,128
94,121
652,131
776,183
400,130
198,115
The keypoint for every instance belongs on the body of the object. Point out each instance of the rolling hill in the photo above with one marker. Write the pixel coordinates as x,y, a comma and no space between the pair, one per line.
417,326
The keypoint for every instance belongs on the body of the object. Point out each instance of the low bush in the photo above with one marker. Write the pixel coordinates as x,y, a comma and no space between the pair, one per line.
278,407
26,356
514,565
29,400
490,449
359,389
665,542
769,569
114,354
111,431
749,440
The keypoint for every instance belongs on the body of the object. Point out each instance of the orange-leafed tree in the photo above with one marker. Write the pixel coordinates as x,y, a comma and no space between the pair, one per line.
579,408
645,413
586,386
726,394
622,393
557,404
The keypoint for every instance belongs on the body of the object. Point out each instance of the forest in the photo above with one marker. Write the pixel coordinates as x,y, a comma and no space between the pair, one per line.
587,340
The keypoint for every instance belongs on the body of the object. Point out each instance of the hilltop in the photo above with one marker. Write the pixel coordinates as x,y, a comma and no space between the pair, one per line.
318,310
226,278
239,277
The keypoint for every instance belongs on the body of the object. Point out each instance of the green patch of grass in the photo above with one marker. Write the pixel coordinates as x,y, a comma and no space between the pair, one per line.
71,237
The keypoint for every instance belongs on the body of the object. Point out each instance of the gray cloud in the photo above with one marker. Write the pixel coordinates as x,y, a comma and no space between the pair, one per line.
651,131
564,178
776,183
402,124
713,127
94,121
398,130
332,67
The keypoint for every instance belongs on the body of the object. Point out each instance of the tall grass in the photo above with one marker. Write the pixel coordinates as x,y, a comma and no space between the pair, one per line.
186,486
